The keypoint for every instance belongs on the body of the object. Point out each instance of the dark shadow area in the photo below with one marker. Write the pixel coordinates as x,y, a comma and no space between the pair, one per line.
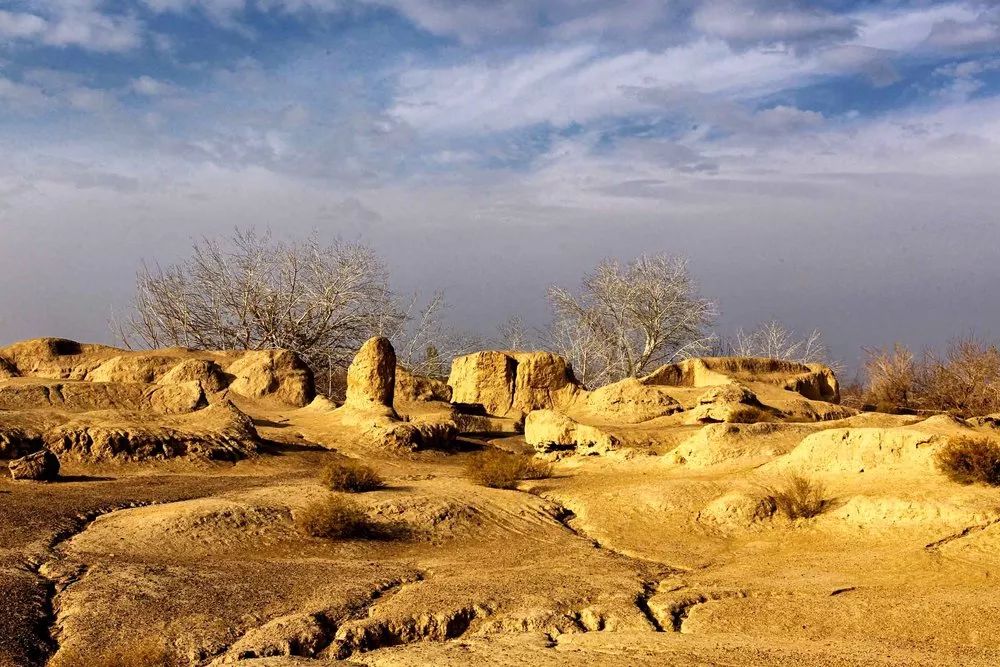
276,448
83,478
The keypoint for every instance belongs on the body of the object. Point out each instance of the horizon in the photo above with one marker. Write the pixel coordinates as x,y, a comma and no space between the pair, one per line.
830,165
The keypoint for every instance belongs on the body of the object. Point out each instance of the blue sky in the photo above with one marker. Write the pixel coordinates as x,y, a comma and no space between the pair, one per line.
831,163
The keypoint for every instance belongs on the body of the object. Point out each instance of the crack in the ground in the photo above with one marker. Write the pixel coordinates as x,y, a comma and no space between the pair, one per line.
681,608
55,584
322,632
642,602
965,532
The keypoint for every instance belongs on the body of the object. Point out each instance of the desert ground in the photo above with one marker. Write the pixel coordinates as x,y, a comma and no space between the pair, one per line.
170,535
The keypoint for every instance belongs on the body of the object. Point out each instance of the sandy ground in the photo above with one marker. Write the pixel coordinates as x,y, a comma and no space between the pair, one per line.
614,560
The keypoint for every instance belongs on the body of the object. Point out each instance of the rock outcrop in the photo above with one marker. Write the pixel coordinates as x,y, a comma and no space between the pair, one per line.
813,381
273,375
371,384
220,432
277,375
42,466
730,403
371,377
510,384
548,430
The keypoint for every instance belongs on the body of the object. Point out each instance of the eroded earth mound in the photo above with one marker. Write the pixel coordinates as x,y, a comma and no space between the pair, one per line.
664,535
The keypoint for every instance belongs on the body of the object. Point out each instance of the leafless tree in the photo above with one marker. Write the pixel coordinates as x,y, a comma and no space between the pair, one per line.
628,319
513,334
425,343
253,292
775,341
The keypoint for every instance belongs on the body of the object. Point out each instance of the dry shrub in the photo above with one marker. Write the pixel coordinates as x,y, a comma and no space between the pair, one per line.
970,460
799,497
748,414
334,517
149,652
350,476
965,382
498,469
892,376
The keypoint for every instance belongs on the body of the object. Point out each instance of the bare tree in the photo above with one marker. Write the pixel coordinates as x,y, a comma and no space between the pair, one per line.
252,292
628,319
513,335
424,342
775,341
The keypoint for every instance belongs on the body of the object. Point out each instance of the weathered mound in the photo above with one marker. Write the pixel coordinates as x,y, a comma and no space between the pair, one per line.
731,403
628,401
748,443
272,374
277,375
849,450
42,466
737,510
371,376
220,432
510,384
814,381
80,396
413,387
371,382
548,430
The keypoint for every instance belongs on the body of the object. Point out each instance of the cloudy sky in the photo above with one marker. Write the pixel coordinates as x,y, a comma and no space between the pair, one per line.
834,163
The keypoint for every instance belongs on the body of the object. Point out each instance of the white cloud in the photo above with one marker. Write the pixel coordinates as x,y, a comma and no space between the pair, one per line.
580,84
21,97
746,22
20,25
983,32
77,23
150,87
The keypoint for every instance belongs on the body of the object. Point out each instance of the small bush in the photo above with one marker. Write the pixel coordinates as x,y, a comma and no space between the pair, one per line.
334,517
970,460
350,476
747,414
799,497
498,469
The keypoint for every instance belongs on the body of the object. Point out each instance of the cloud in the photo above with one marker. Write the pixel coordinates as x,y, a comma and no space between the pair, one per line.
21,25
150,87
748,23
73,23
981,33
580,85
21,97
876,64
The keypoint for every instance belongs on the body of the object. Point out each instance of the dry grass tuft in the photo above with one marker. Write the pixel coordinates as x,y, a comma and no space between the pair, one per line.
970,460
350,476
498,469
334,517
748,414
799,497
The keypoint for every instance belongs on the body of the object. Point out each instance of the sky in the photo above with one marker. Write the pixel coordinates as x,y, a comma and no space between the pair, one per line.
833,164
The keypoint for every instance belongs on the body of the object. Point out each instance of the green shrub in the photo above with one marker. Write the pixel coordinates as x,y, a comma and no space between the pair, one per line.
498,469
350,476
970,460
334,517
799,497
